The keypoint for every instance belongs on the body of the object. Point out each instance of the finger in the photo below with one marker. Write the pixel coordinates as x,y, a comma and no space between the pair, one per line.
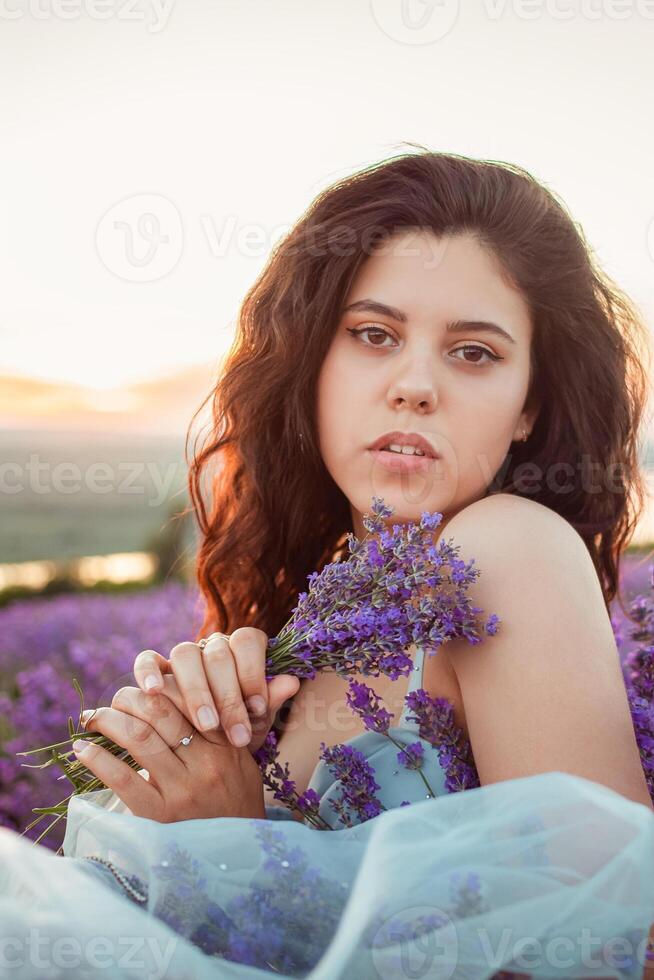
134,790
249,646
171,692
188,666
149,668
141,740
222,678
211,636
150,664
159,712
280,689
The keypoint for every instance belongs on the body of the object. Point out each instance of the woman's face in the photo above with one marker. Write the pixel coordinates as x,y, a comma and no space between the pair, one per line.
416,368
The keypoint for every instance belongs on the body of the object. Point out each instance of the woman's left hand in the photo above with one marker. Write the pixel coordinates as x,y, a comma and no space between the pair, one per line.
201,780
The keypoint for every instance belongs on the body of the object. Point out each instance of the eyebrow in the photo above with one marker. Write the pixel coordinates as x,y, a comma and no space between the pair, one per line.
455,326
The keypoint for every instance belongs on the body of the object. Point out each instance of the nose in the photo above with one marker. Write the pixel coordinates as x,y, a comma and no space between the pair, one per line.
413,391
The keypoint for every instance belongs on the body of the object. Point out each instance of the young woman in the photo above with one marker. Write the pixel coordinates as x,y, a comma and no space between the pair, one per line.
451,305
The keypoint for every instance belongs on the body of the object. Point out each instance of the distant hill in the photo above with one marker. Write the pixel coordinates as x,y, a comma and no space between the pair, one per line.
137,434
163,405
70,494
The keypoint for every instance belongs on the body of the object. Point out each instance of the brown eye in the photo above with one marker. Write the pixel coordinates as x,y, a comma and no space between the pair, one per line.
372,330
477,350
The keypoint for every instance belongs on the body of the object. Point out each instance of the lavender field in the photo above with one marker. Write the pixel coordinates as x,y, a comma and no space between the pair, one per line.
46,642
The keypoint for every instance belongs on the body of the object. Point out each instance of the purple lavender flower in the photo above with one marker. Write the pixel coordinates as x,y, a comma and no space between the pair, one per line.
365,703
278,779
350,766
357,781
491,624
435,718
412,756
639,680
396,588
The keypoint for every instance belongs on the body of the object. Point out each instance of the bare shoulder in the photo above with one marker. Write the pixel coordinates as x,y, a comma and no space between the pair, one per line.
505,514
509,536
546,692
532,565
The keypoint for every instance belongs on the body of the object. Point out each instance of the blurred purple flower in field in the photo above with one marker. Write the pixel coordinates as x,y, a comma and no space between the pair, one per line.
46,642
636,645
635,580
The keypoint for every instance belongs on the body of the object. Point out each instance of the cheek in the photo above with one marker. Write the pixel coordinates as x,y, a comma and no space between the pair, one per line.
492,409
483,430
334,397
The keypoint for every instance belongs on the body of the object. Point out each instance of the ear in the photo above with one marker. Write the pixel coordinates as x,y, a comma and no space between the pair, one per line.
527,421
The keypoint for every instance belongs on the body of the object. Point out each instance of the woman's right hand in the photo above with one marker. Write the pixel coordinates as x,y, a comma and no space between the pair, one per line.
226,677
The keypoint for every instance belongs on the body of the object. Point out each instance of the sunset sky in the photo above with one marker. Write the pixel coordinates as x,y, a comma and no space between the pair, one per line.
150,163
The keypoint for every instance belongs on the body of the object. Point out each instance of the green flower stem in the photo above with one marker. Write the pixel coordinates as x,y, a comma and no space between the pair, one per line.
419,770
55,745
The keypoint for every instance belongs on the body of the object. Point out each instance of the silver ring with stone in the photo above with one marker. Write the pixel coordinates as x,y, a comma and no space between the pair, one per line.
205,639
186,740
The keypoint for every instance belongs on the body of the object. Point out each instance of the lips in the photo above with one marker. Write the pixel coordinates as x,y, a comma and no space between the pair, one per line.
404,462
405,439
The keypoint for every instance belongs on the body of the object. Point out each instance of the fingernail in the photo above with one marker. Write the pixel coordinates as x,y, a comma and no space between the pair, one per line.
240,735
256,704
152,680
207,717
79,745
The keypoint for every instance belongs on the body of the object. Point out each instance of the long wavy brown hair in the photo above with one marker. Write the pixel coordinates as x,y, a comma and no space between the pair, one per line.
273,513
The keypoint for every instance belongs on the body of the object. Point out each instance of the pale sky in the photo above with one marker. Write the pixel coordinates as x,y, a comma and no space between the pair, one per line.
216,122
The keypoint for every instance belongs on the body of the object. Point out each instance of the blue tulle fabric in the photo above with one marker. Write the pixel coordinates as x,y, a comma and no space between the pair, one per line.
546,876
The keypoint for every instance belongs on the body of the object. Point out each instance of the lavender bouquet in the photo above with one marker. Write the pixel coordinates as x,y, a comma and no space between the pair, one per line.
396,588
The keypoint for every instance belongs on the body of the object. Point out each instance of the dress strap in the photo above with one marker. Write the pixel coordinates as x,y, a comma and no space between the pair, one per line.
415,682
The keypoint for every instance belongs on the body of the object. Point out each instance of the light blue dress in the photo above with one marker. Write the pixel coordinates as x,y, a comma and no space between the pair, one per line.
548,876
394,786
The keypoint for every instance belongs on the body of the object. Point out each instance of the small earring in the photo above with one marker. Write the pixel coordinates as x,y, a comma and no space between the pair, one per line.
301,442
524,435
